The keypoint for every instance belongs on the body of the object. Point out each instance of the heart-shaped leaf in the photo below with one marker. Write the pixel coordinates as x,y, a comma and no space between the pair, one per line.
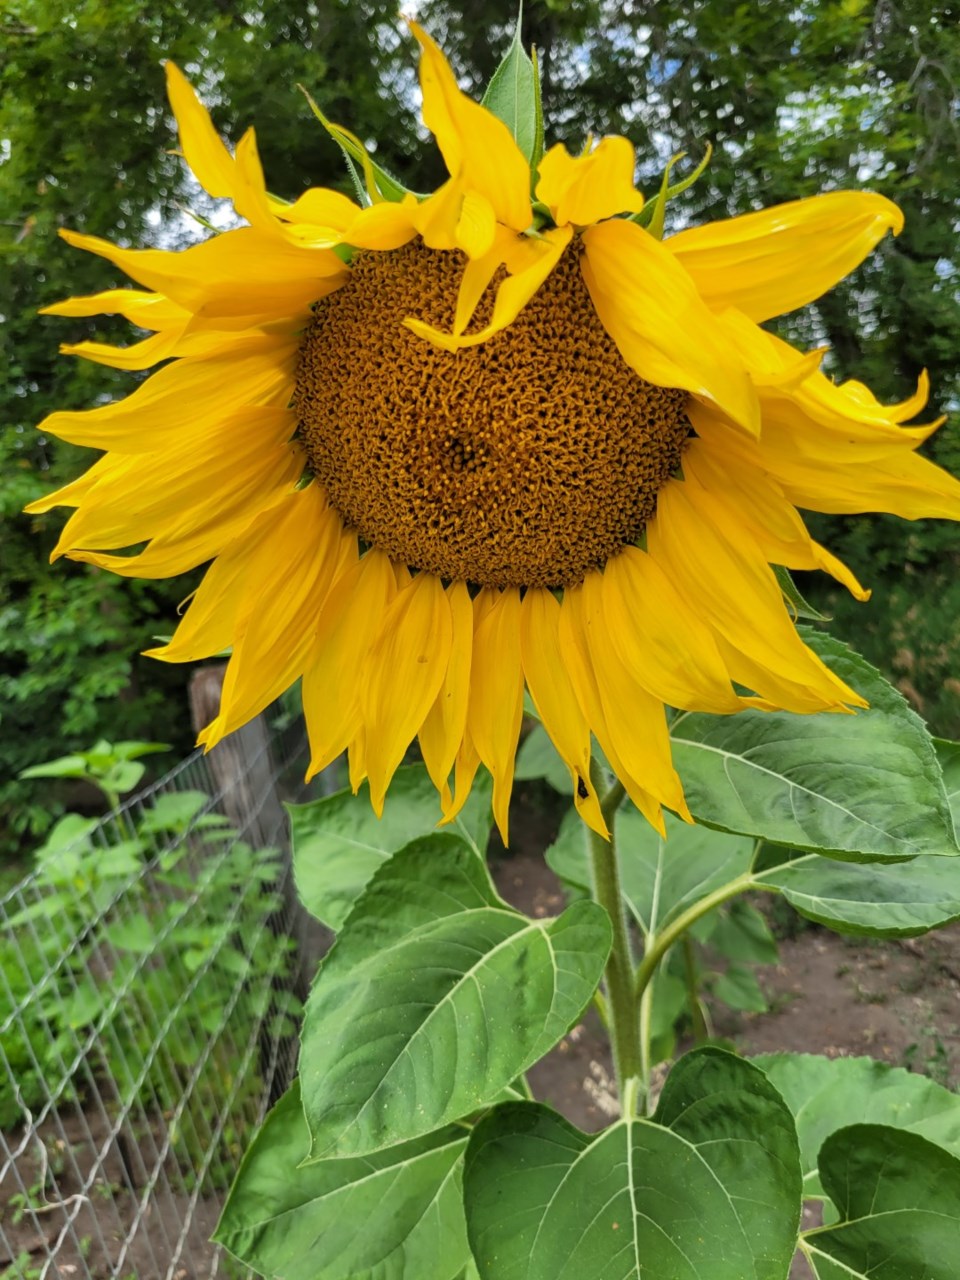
339,842
826,1094
708,1190
396,1215
898,1196
435,998
861,787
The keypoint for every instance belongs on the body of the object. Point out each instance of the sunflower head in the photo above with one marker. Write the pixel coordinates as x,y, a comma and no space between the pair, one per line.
439,449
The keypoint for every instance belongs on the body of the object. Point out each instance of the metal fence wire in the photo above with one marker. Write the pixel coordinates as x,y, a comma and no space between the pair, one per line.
150,985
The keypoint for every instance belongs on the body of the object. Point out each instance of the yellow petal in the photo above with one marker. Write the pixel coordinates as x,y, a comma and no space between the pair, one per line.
184,398
908,486
347,627
170,344
720,571
778,259
587,189
357,760
250,189
436,219
467,764
496,694
276,634
203,150
383,226
72,494
661,641
194,498
476,226
404,672
238,576
650,308
148,310
555,699
442,731
239,273
478,149
321,207
759,502
636,719
477,275
578,663
538,259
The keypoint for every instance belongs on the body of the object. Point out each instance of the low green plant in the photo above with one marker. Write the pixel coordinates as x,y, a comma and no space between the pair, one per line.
142,947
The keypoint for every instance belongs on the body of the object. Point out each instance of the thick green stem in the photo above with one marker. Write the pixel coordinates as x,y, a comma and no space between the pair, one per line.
618,977
659,944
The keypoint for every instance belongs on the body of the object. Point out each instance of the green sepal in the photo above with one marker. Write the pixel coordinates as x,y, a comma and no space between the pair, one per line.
513,96
798,606
377,184
652,214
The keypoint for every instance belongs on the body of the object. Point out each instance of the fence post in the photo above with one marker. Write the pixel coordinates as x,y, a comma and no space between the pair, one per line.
245,772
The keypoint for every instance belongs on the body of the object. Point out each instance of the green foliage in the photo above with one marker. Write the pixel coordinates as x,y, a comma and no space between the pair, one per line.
862,787
430,959
181,943
544,1200
825,1094
392,1214
87,144
436,997
338,844
897,1196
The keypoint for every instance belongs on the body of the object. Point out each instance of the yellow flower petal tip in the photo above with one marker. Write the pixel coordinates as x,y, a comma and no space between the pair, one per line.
484,457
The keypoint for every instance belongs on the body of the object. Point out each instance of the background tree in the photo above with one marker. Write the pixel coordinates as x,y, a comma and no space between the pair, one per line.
795,99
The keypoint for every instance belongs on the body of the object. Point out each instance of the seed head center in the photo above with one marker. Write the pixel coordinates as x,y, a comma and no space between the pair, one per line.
526,461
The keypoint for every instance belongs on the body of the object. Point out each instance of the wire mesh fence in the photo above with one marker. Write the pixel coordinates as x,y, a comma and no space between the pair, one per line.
151,973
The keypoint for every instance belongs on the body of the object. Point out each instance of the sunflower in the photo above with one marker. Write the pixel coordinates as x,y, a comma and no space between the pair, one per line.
441,448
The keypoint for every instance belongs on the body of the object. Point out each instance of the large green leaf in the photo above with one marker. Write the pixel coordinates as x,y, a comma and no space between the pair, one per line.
660,878
339,842
861,787
825,1094
396,1215
899,1201
708,1190
881,900
435,998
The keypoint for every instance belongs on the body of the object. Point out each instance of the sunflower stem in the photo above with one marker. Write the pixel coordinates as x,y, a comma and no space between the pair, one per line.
618,976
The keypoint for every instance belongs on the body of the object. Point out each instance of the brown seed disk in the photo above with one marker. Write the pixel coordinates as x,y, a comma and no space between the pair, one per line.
528,460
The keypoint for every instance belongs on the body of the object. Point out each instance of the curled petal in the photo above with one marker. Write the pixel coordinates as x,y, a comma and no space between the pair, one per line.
778,259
